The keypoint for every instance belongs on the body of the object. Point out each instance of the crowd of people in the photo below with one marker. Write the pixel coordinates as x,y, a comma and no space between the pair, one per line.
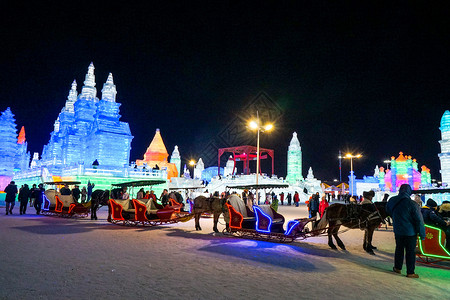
34,196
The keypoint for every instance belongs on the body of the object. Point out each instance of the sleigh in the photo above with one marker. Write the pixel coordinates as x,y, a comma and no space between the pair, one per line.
144,212
55,204
264,223
432,251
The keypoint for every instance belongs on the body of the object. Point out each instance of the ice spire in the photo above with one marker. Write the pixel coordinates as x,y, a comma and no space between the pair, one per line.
176,159
294,161
199,167
21,137
72,97
89,92
109,91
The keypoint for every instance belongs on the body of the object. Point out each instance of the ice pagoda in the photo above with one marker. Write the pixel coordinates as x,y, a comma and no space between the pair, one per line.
156,156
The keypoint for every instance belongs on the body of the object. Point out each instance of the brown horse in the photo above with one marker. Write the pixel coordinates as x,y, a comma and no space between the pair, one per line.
366,217
213,205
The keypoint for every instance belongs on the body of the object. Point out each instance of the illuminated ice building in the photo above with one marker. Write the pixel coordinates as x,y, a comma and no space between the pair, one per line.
88,142
13,148
444,156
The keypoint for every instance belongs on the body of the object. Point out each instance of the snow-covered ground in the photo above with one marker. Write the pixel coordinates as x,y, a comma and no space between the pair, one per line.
57,258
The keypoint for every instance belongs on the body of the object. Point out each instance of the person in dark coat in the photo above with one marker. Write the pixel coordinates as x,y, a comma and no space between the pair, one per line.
90,188
24,194
164,197
289,198
76,193
430,217
314,205
408,223
11,192
39,196
65,190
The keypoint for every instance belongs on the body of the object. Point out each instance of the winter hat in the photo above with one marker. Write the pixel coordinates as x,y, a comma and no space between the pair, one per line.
431,203
368,195
405,189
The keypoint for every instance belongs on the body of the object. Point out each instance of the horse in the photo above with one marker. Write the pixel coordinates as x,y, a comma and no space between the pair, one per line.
98,198
366,217
213,205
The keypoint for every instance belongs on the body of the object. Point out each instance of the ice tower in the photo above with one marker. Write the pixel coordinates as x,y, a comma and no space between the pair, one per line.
294,161
199,167
88,129
175,159
109,141
444,156
8,142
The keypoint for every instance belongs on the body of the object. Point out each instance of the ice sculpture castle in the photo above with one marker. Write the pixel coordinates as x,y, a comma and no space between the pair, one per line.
88,141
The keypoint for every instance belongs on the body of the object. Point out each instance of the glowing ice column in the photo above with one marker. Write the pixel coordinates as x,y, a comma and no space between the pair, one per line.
294,160
8,142
444,156
176,159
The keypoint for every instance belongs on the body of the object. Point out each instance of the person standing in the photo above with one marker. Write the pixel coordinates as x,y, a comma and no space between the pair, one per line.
244,196
76,193
32,195
11,192
314,205
322,206
164,197
90,187
296,199
289,198
39,194
24,194
407,224
282,198
83,194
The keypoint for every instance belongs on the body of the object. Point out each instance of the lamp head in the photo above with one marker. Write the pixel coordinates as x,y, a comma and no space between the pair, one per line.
253,125
268,127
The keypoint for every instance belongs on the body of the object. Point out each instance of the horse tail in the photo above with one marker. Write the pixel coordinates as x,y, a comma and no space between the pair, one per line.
323,222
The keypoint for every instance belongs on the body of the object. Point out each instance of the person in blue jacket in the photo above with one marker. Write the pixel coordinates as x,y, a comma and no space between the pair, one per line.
408,222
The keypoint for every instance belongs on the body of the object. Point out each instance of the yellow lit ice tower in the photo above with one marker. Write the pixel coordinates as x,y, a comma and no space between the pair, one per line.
294,161
444,156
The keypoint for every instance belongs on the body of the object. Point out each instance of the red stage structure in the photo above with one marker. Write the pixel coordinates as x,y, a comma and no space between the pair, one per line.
245,154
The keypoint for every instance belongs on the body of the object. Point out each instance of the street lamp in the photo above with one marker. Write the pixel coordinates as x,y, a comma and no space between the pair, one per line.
351,157
256,125
387,162
192,164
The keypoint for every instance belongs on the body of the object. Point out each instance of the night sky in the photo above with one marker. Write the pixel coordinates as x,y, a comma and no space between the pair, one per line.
361,78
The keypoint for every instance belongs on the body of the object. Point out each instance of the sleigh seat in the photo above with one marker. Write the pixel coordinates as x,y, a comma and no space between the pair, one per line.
268,220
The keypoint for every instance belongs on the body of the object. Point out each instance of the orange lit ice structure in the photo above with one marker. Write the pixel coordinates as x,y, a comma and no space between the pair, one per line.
404,170
157,154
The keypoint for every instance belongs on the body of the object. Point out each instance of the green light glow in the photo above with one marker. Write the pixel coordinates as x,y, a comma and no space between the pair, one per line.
440,244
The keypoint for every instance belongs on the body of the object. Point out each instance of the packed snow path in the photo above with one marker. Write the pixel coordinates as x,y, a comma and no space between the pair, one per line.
58,258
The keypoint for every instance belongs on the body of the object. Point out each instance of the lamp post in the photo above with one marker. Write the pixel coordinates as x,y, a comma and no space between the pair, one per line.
256,125
387,162
192,164
351,157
